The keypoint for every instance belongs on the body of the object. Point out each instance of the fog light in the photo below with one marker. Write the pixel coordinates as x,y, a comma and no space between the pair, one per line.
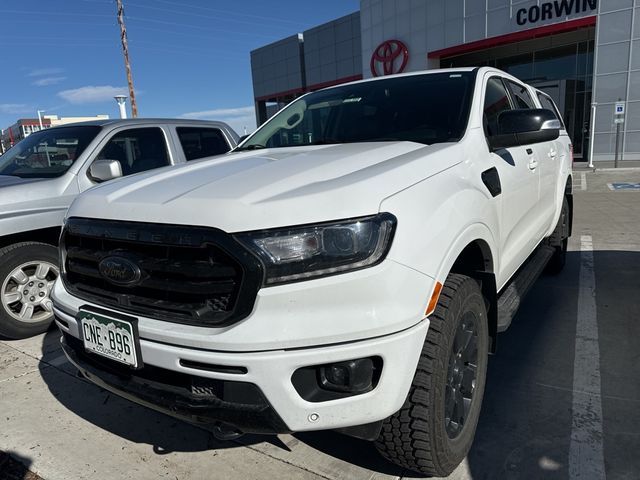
353,376
331,381
337,375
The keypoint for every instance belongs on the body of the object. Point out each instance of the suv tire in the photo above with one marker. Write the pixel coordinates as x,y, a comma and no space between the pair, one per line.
27,273
559,240
422,435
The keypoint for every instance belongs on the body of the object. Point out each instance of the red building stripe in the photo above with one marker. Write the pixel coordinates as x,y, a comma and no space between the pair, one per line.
538,32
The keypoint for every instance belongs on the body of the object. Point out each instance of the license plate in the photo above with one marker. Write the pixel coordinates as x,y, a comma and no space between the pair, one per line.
109,337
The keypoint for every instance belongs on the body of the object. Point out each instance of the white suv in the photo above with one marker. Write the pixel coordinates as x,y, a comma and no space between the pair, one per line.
348,268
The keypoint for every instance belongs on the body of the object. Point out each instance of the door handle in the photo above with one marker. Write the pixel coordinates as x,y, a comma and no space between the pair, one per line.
552,154
533,164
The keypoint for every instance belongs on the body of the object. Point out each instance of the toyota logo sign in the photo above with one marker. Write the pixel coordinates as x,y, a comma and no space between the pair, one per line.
392,56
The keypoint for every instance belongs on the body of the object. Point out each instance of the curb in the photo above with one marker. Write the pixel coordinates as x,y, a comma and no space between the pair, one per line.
621,169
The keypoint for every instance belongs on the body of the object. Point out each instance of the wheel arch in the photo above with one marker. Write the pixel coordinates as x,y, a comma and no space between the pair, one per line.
473,255
49,235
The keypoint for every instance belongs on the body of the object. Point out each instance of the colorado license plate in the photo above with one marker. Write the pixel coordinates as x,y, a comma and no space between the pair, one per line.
109,337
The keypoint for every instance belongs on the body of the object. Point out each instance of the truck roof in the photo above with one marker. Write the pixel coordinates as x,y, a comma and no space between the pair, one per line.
103,122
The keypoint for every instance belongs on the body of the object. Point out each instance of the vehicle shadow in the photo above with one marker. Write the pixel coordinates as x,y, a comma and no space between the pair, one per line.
15,467
166,434
116,415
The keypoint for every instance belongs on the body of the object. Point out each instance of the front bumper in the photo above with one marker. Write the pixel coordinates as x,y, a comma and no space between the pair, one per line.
275,406
237,405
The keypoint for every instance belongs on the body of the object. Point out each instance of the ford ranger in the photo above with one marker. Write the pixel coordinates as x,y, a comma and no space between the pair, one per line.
42,174
348,268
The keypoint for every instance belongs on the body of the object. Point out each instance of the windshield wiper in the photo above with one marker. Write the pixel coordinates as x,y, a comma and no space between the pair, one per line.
326,141
255,146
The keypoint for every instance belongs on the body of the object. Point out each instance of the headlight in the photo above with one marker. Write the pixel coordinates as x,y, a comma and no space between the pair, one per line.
301,253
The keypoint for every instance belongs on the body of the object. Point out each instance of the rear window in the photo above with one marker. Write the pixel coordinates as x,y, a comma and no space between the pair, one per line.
520,95
547,103
200,142
48,153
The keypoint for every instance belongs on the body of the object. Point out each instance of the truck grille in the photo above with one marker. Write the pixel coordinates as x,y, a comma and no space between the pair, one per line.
193,275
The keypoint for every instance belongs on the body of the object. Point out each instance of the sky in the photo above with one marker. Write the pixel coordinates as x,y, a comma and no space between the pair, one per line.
190,58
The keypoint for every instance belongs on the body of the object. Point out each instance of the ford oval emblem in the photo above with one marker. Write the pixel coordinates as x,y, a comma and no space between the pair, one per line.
120,271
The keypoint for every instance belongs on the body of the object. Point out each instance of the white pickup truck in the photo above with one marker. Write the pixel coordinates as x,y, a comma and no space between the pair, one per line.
42,174
349,267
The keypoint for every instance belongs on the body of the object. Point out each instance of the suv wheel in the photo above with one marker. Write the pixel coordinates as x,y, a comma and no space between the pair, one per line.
559,240
434,429
27,273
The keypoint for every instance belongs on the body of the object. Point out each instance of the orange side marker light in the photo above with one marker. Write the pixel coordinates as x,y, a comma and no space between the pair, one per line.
433,301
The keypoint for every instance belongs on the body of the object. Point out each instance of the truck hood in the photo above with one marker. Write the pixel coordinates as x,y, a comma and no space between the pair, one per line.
270,188
6,180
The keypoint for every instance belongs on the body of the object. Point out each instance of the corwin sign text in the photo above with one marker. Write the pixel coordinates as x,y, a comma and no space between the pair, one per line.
555,9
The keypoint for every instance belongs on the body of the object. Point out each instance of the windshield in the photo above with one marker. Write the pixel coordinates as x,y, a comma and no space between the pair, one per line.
48,153
430,108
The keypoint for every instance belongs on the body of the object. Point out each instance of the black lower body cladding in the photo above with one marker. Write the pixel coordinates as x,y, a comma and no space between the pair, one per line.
203,401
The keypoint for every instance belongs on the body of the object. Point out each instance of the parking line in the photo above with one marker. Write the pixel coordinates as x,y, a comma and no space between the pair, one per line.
583,181
586,454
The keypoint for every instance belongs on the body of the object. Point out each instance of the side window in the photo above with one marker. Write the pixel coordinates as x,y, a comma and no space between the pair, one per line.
201,142
137,150
520,95
547,103
496,101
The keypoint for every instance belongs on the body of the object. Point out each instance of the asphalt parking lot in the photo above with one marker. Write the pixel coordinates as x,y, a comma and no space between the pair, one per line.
562,398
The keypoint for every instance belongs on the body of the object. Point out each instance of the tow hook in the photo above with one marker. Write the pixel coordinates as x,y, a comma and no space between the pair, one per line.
225,432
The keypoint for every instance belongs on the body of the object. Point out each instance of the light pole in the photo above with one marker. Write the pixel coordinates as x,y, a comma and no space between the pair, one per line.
122,99
46,147
40,117
592,127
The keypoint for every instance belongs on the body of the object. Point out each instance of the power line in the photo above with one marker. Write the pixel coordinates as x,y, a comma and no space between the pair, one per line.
196,53
228,12
48,22
76,44
199,15
193,35
198,27
26,12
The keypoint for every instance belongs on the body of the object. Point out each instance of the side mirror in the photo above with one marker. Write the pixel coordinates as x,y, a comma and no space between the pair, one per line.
525,127
103,170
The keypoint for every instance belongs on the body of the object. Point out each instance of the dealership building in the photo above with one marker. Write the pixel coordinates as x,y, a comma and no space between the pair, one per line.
581,52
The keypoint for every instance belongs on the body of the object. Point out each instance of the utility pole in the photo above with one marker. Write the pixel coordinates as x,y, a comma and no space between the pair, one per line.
125,51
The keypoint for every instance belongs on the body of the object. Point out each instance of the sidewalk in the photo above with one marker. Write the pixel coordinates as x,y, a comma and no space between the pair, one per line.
623,165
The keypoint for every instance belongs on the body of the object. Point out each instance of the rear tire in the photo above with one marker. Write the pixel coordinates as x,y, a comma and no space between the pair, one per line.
433,431
27,273
559,239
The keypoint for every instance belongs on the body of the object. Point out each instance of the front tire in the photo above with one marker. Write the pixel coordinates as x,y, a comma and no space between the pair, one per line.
27,273
433,431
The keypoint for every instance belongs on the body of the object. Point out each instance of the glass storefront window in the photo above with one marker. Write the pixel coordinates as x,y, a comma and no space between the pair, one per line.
563,72
520,66
555,63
